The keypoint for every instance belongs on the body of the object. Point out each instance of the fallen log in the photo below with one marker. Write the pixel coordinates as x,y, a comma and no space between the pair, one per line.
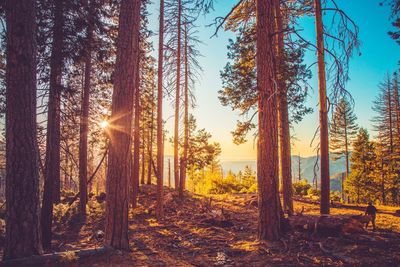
328,225
56,258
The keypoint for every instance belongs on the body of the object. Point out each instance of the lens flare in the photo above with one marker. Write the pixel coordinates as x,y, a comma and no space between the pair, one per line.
104,124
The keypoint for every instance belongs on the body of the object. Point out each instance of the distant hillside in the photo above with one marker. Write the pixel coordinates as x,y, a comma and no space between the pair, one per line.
307,167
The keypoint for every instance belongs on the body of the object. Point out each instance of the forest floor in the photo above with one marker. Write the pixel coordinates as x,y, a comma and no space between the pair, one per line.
223,233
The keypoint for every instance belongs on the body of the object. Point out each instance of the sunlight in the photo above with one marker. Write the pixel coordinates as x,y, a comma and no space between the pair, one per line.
104,124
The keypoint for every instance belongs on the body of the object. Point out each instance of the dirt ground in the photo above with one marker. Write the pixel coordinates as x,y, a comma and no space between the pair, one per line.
188,236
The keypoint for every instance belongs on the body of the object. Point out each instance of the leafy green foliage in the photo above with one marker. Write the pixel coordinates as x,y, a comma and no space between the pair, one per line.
209,182
301,188
359,186
239,82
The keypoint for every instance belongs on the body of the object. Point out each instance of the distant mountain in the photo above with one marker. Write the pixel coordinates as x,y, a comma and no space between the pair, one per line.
307,167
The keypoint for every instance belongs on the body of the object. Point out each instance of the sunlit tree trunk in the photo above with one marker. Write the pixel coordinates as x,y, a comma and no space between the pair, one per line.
186,119
117,190
150,142
346,154
323,112
169,173
283,122
160,134
22,237
136,145
51,192
84,122
142,181
177,98
267,148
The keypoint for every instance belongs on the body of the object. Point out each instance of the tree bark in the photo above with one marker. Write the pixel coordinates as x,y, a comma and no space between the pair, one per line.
136,145
160,135
284,132
186,120
84,121
323,112
169,173
51,192
22,238
177,99
267,152
127,59
346,154
150,136
143,158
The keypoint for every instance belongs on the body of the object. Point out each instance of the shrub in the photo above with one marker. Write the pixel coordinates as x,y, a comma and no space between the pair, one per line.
301,188
314,192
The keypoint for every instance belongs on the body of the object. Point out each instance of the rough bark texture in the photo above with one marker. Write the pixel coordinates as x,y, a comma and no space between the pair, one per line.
267,152
160,135
284,131
169,173
177,98
186,121
143,157
150,142
22,238
51,192
84,120
121,125
323,112
136,146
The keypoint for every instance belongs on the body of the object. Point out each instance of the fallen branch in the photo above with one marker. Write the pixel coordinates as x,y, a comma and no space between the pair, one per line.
58,257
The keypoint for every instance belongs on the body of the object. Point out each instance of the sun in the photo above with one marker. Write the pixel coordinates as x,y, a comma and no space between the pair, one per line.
104,124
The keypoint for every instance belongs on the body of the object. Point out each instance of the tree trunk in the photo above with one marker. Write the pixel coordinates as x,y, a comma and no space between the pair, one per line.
169,173
127,59
84,122
186,120
346,154
177,98
136,145
267,152
22,238
143,157
160,134
51,192
284,132
150,142
323,112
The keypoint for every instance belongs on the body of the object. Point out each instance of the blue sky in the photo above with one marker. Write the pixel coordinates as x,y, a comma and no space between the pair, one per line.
379,55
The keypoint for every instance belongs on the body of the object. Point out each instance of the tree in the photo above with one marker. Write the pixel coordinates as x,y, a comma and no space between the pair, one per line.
160,134
343,130
323,112
395,4
22,238
360,185
121,119
183,166
285,164
385,124
177,94
269,224
51,192
84,121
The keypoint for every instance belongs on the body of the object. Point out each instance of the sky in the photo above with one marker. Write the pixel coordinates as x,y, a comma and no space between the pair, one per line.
379,55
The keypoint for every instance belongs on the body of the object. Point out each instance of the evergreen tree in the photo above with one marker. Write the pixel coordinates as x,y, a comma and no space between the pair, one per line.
360,184
385,124
343,129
